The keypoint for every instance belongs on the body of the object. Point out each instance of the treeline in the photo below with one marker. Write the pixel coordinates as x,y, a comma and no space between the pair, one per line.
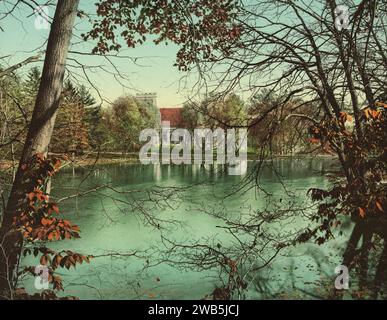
270,129
81,124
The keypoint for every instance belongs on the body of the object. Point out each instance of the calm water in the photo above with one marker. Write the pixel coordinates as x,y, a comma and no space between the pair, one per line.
125,217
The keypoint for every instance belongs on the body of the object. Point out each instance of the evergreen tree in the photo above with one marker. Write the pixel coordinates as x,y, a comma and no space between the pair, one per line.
32,82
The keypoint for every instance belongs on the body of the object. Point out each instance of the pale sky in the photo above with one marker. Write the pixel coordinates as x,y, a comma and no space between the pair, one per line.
19,38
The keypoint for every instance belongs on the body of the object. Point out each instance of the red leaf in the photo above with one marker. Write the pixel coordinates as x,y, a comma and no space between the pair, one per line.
55,207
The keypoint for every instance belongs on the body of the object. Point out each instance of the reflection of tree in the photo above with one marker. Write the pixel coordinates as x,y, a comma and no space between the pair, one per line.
246,243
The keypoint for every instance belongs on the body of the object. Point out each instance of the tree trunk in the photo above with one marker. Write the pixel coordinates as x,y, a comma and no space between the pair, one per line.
380,276
39,135
364,256
350,251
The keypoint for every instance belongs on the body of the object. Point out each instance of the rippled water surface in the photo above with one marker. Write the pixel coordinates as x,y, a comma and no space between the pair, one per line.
118,220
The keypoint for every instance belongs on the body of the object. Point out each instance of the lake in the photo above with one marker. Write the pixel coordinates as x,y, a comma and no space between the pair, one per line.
142,208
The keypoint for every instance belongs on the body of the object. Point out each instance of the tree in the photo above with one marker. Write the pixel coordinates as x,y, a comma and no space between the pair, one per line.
71,132
85,96
39,133
14,119
278,132
96,135
339,74
191,117
32,82
124,122
224,112
202,28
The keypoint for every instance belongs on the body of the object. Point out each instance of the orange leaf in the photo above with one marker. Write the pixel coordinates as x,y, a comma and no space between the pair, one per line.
55,208
361,212
46,222
375,114
381,104
314,140
379,205
75,228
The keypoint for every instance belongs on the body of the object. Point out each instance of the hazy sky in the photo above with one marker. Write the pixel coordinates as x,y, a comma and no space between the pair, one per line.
155,72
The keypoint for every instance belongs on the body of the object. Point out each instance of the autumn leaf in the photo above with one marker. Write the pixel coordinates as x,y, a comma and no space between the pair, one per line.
57,260
55,207
314,140
375,114
75,228
381,104
46,222
361,212
43,260
379,206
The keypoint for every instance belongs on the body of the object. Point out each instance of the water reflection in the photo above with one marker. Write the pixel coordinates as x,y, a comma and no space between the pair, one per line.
112,221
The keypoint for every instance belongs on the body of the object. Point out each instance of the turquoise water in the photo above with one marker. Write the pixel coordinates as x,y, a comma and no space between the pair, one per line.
143,208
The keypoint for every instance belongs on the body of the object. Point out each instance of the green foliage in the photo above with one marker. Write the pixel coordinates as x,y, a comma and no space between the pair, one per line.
273,129
81,123
31,84
225,112
16,103
191,117
96,134
71,131
124,121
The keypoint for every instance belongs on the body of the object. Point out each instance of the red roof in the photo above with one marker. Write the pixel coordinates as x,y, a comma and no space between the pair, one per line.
173,115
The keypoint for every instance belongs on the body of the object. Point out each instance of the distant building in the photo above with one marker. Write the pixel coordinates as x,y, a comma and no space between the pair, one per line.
171,115
148,98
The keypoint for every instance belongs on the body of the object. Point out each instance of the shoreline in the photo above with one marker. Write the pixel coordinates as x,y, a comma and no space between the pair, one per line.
132,158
